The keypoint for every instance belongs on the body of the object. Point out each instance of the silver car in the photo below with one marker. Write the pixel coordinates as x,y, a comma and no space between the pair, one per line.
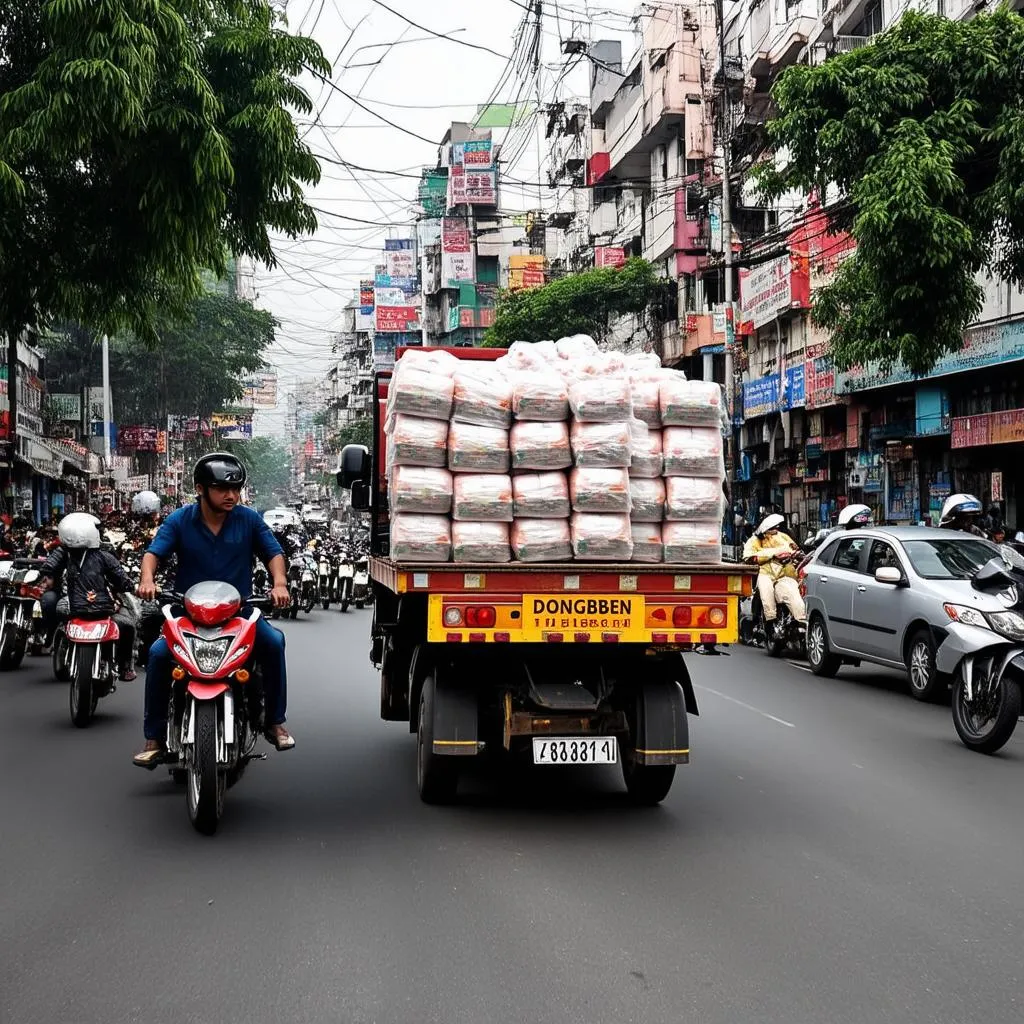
880,595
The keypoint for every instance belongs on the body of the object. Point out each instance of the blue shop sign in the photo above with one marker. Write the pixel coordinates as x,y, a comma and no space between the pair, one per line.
761,397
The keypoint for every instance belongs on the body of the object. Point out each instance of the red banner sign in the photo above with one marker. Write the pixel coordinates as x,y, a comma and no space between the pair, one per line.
397,318
1005,427
609,256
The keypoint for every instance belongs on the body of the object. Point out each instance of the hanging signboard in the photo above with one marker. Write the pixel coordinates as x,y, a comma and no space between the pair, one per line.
400,257
457,263
397,318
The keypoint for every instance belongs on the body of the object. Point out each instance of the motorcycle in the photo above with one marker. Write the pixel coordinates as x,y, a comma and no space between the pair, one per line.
325,581
984,652
785,633
85,654
217,707
21,613
361,583
308,590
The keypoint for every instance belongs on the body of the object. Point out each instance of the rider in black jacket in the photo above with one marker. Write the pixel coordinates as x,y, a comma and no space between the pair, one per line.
94,576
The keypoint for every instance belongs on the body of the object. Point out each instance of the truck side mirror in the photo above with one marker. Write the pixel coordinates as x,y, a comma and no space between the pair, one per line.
361,496
354,467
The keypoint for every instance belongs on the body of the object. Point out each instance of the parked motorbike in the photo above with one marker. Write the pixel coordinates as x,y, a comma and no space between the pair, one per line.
21,614
361,583
987,644
325,580
217,706
85,654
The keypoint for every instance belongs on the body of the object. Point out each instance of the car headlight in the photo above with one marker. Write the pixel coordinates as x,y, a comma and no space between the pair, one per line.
209,654
1010,624
967,616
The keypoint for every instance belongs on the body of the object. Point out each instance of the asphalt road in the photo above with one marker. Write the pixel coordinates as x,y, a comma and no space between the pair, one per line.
832,854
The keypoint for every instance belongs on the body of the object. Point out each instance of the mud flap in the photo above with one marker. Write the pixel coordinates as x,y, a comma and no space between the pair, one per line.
455,716
662,731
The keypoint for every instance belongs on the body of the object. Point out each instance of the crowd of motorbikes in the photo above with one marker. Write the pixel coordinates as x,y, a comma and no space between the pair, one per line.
322,572
987,687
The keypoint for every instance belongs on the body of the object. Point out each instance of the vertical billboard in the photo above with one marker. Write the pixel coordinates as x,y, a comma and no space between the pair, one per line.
457,263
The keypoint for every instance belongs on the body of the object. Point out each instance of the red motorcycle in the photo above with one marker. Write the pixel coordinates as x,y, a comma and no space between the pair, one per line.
217,709
85,654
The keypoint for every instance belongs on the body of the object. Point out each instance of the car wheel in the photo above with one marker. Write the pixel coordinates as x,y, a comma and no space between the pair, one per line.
926,683
819,656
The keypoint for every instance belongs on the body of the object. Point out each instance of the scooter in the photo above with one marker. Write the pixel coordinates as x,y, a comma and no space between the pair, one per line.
346,575
85,654
325,581
983,651
361,583
217,706
21,613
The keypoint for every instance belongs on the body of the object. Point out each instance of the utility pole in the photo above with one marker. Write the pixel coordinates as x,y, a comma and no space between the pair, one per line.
536,72
106,404
730,312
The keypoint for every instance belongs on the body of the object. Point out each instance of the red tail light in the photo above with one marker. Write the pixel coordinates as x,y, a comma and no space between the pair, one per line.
682,615
29,591
481,616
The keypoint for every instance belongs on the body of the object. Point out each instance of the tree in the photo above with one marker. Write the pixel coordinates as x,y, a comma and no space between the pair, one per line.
922,133
141,141
578,304
195,364
268,464
359,432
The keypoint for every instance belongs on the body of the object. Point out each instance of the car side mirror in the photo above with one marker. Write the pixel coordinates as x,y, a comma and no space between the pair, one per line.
889,574
354,467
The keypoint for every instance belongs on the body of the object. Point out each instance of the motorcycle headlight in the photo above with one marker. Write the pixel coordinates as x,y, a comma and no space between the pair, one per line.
967,616
208,654
1010,624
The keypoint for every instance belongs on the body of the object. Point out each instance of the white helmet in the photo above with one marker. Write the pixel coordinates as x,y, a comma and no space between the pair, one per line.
772,522
959,505
854,516
145,503
79,530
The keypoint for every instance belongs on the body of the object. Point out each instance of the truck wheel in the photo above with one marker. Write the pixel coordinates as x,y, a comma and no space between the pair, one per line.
437,778
647,784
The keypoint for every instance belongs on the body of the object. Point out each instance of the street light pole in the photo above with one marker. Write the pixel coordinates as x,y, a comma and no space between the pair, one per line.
106,404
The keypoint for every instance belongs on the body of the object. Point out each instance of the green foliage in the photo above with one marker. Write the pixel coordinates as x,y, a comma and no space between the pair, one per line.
141,141
923,133
360,432
579,304
269,467
194,365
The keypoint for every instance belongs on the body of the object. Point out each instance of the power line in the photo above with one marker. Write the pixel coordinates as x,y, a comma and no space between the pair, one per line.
439,35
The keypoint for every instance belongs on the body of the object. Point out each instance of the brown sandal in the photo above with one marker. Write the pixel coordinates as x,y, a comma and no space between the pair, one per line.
150,757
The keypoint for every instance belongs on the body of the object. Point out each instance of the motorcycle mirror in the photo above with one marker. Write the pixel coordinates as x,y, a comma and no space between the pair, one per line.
889,574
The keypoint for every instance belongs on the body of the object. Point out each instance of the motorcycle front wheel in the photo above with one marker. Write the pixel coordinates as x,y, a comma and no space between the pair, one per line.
986,723
205,785
81,701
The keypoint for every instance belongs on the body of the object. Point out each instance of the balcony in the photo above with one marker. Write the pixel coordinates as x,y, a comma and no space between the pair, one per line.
846,44
779,50
848,14
603,219
659,229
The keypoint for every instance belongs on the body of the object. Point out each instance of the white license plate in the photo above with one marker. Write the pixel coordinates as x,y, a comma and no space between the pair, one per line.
576,750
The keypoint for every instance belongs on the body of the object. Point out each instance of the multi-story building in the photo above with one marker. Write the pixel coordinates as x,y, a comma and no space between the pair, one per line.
351,377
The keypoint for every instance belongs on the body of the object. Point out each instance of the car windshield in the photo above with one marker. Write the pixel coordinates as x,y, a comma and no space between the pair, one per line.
945,559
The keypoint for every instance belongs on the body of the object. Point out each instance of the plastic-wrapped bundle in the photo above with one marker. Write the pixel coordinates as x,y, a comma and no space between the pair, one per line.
541,496
482,497
541,540
693,451
691,403
579,346
641,365
540,396
482,397
600,490
605,445
601,538
473,449
646,395
647,542
540,446
693,497
417,442
429,360
531,357
420,393
420,489
481,542
645,458
416,538
648,500
601,399
696,543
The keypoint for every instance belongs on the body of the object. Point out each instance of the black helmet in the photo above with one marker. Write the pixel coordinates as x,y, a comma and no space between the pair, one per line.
219,469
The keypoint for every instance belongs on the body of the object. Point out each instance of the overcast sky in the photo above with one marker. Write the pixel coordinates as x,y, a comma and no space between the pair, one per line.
421,83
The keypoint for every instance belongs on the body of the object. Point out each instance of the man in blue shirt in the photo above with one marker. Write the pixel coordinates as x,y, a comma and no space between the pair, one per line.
216,539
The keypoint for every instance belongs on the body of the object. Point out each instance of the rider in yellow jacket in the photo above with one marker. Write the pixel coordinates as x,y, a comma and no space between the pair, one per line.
772,550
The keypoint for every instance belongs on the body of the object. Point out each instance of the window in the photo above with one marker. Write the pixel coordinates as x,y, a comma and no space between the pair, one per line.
883,556
949,559
848,553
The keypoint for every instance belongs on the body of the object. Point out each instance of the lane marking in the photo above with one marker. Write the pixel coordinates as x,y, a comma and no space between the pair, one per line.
744,704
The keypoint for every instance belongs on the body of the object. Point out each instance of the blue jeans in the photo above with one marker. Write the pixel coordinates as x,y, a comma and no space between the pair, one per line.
269,654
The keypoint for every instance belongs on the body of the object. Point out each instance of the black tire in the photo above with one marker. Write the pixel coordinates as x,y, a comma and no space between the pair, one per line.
924,680
293,611
275,613
325,603
437,778
360,605
647,784
18,651
82,699
60,658
8,647
204,789
180,776
344,604
999,726
774,640
819,655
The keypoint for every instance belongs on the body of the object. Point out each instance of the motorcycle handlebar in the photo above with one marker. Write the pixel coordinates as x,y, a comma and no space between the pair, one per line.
172,597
